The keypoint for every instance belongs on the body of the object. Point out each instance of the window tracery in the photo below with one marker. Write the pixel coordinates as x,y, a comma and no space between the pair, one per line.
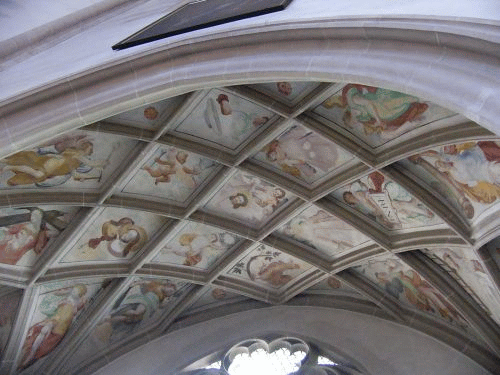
279,356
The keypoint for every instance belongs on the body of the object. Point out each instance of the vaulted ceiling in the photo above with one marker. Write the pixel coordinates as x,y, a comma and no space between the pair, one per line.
127,215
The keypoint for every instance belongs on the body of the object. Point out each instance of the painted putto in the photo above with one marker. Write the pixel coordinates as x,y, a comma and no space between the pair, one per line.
77,160
377,115
248,199
197,245
303,154
385,202
171,174
318,229
269,267
224,119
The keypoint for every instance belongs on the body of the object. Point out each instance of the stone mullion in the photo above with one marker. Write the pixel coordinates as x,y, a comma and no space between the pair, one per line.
451,289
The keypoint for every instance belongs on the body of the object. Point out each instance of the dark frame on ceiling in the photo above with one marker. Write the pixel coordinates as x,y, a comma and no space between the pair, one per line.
201,14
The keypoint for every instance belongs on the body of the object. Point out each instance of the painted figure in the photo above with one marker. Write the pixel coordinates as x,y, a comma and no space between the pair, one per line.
23,232
274,273
417,292
268,267
224,121
249,197
301,152
122,237
386,202
138,304
195,246
52,165
173,163
150,113
285,88
473,168
473,272
377,109
44,336
321,228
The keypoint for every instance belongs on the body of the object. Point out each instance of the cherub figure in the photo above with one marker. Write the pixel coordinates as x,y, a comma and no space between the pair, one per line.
173,163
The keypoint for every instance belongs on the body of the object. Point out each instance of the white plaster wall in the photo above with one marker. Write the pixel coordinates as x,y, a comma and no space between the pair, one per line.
382,347
80,47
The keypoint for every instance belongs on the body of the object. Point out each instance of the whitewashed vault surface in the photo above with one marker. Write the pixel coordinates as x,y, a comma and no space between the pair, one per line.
275,191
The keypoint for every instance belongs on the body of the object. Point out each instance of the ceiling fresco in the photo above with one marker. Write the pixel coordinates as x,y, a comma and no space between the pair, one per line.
333,194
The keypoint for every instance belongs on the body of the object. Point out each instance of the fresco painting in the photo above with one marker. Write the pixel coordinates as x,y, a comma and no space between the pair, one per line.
332,285
142,304
9,303
56,311
466,175
269,267
213,297
469,268
116,234
385,202
249,199
26,232
318,229
197,245
171,174
150,116
224,119
303,154
406,285
79,160
288,92
377,115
